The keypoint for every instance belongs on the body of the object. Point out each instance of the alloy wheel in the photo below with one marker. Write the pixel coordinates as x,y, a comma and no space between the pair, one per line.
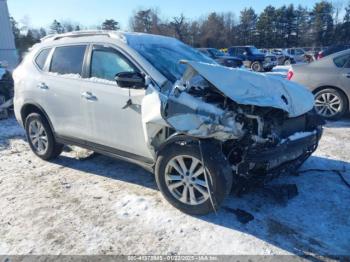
328,104
186,180
38,136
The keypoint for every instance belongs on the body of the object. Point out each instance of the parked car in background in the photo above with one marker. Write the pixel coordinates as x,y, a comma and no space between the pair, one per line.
252,58
222,58
329,79
297,53
6,83
157,102
270,62
331,50
283,58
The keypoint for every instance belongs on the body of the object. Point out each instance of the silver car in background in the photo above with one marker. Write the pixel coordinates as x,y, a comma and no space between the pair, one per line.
329,79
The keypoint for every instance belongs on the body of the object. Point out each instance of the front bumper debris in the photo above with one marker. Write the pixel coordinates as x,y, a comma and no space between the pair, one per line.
283,158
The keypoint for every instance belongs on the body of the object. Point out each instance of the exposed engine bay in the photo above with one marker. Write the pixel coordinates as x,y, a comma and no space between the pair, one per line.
255,139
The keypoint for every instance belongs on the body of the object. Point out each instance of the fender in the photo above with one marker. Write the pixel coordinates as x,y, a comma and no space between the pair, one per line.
34,104
209,145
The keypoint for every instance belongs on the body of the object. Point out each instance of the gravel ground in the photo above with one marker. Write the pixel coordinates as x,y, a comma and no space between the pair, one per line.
105,206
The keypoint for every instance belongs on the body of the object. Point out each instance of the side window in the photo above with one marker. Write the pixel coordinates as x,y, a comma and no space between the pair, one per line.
240,51
341,60
41,58
107,62
68,60
299,52
347,65
232,51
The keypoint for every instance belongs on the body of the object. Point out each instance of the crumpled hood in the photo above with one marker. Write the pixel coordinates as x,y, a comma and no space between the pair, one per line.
249,88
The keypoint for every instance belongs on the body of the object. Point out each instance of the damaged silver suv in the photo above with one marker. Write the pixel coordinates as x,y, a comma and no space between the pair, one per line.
202,128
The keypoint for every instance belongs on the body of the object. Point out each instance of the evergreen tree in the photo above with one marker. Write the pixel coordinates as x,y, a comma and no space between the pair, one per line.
302,26
56,27
345,27
142,21
322,23
266,27
212,31
285,27
247,27
110,24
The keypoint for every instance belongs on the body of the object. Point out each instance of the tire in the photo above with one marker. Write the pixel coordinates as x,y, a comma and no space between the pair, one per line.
42,143
287,62
257,66
330,103
219,175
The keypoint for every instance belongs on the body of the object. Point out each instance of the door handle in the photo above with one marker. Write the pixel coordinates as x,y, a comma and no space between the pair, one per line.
347,75
43,86
89,96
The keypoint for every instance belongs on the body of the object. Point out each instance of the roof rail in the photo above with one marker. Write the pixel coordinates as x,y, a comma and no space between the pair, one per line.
108,33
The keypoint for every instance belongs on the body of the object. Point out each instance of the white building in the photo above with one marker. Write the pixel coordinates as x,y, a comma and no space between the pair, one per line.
8,52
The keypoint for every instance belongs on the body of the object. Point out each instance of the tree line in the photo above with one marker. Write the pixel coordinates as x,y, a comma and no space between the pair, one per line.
285,26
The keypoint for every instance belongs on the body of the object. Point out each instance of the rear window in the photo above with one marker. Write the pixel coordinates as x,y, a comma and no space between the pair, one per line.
68,60
341,60
41,58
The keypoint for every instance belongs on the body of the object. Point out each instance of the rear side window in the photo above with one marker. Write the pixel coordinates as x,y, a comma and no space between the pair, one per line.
341,60
41,58
232,51
68,60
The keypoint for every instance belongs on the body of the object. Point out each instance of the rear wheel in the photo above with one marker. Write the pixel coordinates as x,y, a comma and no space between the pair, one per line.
330,103
189,185
287,62
40,137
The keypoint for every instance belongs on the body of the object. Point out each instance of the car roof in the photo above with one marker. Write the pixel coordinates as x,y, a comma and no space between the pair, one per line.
328,60
242,46
340,53
100,35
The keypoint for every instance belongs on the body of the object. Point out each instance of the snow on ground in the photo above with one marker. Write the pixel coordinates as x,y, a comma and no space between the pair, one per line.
106,206
280,71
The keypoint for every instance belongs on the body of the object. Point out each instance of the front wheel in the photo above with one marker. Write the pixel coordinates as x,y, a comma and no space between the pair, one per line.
189,185
40,137
257,66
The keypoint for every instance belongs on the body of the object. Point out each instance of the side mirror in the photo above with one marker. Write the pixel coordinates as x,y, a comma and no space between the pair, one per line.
130,80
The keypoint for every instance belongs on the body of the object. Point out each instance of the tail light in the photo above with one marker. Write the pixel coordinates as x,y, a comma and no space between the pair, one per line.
290,74
320,55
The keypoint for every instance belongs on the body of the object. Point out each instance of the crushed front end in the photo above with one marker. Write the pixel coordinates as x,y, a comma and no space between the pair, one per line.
262,132
275,145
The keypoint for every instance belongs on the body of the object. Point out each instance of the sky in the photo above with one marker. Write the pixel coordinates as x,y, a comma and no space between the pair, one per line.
41,13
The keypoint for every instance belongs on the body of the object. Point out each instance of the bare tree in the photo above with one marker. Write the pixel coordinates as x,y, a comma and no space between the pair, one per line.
180,27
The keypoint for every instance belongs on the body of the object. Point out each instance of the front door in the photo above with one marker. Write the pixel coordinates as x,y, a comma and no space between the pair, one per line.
113,122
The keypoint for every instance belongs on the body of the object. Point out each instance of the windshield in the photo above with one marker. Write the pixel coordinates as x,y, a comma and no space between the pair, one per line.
217,52
164,54
255,51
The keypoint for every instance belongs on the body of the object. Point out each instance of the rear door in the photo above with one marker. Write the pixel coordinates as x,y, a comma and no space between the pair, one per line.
345,74
113,124
62,87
